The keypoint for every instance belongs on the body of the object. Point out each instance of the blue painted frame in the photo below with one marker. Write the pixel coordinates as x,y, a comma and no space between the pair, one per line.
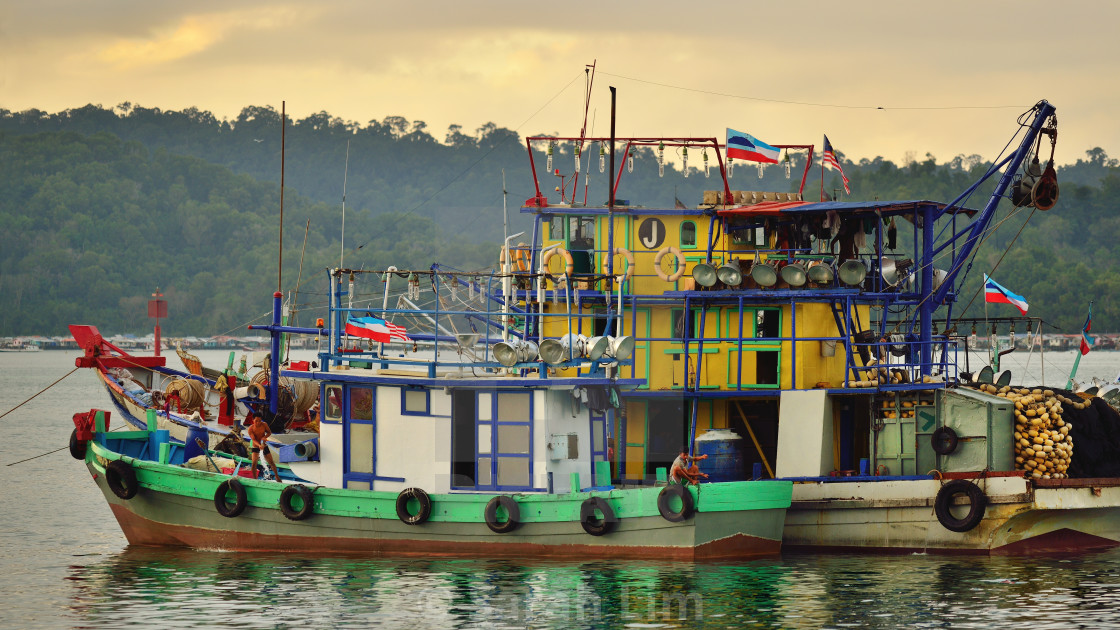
494,453
349,422
427,411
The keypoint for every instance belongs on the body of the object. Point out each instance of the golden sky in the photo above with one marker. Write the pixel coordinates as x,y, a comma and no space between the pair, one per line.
950,76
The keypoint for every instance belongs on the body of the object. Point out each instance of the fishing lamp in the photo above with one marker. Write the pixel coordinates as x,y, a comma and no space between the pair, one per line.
707,168
730,274
821,272
852,272
684,160
556,351
705,274
730,167
620,348
548,162
764,274
510,353
795,274
602,157
596,347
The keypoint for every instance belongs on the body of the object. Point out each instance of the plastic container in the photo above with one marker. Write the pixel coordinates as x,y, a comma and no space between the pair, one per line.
724,449
190,447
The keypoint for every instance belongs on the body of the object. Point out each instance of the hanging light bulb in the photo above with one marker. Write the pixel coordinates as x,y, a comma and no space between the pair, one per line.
789,165
661,160
454,289
1011,335
630,163
730,167
684,161
548,162
972,337
1030,336
761,170
579,150
707,168
602,157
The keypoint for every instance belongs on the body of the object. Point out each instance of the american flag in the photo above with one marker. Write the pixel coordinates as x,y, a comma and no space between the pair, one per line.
376,329
829,160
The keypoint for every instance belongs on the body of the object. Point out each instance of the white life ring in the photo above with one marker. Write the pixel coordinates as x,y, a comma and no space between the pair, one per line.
569,263
629,271
669,249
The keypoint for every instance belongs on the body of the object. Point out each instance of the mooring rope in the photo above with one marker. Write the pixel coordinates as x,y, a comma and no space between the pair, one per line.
40,392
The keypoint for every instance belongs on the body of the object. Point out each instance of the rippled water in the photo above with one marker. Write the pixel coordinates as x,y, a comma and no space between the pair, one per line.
65,564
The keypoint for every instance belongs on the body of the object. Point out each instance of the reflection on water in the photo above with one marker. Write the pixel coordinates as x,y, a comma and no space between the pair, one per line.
170,588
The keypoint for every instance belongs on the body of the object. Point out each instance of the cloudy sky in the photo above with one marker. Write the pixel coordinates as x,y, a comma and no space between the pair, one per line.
894,79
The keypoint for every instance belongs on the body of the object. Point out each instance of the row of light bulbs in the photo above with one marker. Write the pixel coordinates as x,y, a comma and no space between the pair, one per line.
788,163
567,348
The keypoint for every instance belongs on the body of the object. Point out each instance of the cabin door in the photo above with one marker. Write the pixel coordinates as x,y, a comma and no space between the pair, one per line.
491,440
360,438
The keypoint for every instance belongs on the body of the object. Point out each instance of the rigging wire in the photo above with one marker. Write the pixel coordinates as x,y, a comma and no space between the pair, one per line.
469,166
806,103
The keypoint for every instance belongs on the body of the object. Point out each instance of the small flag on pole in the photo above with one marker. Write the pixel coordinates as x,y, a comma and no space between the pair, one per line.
1086,340
376,329
829,160
996,294
744,146
679,205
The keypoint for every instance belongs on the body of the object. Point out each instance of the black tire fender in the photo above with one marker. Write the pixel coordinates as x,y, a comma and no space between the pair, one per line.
664,505
239,502
402,506
593,525
511,508
944,440
121,479
77,447
305,495
977,503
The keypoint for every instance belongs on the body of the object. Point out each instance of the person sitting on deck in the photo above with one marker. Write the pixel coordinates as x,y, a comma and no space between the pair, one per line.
258,433
682,473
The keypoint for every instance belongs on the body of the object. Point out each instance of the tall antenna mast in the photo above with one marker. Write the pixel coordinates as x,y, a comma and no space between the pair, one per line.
345,171
280,265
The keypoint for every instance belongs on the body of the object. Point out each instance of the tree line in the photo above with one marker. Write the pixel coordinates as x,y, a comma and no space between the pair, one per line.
102,204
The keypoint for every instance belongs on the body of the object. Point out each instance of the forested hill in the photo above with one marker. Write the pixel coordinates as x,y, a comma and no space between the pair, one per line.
100,205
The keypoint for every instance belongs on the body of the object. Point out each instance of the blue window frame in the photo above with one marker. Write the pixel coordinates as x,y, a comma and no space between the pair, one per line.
416,401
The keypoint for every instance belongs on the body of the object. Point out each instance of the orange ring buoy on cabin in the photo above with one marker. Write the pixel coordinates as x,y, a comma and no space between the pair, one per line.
676,275
568,261
629,272
520,260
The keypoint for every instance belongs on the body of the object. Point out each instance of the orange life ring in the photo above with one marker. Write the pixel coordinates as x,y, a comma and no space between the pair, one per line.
520,260
669,249
568,262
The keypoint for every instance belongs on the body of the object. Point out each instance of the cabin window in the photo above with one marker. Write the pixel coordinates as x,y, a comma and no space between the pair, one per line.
361,403
414,401
556,228
332,410
683,326
688,234
361,448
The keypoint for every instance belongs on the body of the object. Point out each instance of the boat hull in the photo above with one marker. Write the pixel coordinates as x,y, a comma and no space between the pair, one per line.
175,508
899,516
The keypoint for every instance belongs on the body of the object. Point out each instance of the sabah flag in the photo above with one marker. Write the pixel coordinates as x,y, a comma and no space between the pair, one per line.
996,294
744,146
1086,340
376,329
